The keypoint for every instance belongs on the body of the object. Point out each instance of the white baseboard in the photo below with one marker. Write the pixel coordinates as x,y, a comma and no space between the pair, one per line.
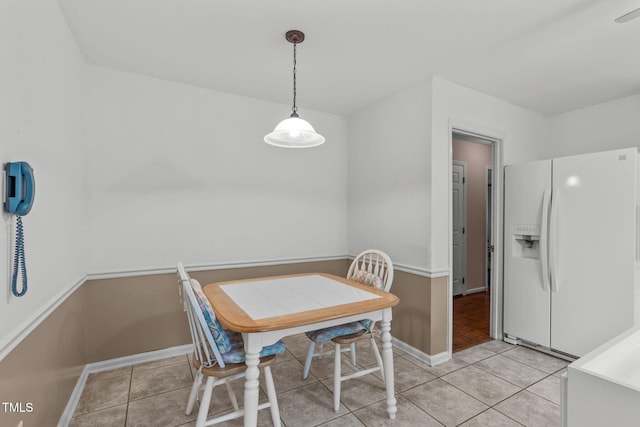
107,365
134,359
431,360
439,358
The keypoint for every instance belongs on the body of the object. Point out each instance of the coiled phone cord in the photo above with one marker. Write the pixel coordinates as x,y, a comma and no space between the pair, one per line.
19,261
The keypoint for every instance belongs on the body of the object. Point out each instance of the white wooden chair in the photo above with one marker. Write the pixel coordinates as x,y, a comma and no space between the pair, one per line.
374,268
218,355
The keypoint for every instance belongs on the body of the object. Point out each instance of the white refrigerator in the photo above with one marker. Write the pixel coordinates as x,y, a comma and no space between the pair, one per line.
571,250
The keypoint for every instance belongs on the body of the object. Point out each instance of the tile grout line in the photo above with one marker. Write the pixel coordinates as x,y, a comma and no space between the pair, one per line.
126,414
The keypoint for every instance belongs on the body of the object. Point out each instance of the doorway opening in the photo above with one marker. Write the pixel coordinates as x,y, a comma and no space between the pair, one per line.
472,241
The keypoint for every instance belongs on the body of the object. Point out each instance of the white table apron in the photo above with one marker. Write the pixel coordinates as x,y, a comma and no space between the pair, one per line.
255,341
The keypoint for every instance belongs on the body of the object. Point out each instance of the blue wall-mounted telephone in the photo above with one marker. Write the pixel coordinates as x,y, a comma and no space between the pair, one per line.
19,192
20,188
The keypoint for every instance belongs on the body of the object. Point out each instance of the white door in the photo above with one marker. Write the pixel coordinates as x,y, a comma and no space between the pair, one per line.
526,294
459,227
593,272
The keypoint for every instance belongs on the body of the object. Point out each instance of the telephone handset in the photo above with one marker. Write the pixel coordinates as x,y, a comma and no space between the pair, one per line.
20,188
19,192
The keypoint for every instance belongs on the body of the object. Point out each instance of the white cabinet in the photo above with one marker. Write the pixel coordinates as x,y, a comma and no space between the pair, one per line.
603,387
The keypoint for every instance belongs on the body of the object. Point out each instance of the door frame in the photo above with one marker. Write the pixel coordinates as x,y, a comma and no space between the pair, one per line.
463,261
496,139
488,195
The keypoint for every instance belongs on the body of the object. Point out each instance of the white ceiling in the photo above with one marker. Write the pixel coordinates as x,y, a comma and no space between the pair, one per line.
547,55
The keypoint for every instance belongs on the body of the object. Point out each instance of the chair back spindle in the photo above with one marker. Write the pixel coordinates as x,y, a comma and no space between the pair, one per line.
375,262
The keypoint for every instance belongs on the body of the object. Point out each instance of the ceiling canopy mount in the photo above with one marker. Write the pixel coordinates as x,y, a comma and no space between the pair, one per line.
294,36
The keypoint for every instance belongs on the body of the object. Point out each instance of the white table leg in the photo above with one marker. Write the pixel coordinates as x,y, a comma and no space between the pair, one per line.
387,358
251,391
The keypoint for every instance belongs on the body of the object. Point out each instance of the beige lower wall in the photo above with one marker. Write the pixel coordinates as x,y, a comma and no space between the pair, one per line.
44,368
420,319
110,318
439,315
134,315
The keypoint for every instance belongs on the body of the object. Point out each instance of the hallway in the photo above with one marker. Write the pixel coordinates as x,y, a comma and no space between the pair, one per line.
471,320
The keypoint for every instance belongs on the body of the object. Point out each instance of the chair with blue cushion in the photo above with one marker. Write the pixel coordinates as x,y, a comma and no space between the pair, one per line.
218,355
371,267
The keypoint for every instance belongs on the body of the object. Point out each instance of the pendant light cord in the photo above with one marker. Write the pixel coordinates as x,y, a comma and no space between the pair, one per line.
294,109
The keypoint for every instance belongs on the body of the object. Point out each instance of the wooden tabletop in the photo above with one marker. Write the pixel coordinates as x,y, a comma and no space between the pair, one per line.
235,318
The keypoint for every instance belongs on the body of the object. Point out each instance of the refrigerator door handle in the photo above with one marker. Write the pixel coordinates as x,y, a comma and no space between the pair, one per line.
637,232
544,231
553,239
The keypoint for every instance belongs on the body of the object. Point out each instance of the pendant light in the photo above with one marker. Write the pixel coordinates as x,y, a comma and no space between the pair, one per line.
294,132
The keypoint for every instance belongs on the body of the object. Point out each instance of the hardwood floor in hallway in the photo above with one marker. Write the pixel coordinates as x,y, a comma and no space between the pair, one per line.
471,320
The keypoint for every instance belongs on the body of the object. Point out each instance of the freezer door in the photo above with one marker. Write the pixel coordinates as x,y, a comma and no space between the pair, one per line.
592,297
526,294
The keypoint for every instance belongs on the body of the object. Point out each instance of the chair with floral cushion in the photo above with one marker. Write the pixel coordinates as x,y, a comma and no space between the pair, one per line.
371,267
218,355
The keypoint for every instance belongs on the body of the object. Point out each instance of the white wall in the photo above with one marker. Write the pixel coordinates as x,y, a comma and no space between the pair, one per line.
41,82
388,176
606,126
181,173
525,135
399,165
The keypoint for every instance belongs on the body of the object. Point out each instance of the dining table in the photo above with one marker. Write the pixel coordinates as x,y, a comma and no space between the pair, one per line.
267,309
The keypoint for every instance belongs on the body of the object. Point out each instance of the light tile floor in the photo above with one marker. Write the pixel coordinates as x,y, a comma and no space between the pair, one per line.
492,384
